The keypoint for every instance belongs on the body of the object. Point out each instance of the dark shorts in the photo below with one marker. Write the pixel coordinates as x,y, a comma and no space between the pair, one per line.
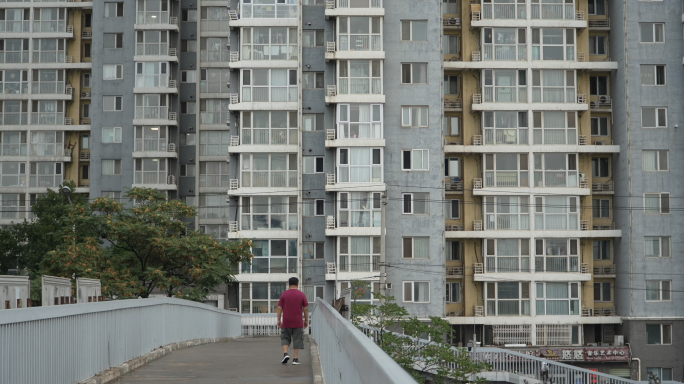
292,335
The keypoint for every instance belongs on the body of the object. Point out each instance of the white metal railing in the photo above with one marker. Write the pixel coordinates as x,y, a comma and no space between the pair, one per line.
599,24
330,47
454,228
607,187
262,324
337,338
76,347
330,222
359,3
330,179
452,22
331,90
268,11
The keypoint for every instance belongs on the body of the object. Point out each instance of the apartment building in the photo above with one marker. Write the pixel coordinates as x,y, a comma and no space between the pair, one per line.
524,177
45,72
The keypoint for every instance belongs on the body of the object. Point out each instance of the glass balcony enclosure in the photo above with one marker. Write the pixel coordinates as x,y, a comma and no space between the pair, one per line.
358,254
268,213
151,106
13,144
269,128
15,20
554,127
269,85
359,77
504,9
505,128
213,207
359,121
508,299
555,170
14,112
504,44
556,213
44,81
505,86
553,86
268,9
49,19
269,43
153,12
47,112
151,74
49,50
214,111
13,206
215,80
215,19
268,170
13,175
272,256
359,34
359,209
15,82
151,171
155,43
215,49
15,51
214,143
359,4
507,255
507,213
554,299
506,170
553,9
359,165
151,138
47,143
214,174
556,255
46,174
553,44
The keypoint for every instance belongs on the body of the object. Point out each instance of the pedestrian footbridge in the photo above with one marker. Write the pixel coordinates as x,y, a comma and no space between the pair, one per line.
168,340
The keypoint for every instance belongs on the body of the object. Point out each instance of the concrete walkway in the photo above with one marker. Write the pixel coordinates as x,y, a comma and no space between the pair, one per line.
254,360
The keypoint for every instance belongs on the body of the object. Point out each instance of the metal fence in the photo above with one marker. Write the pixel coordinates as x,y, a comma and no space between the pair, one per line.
69,343
347,355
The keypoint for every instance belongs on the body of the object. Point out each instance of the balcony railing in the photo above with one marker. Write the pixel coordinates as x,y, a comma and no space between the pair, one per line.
330,179
477,183
505,94
331,91
330,268
14,26
603,188
268,11
506,136
453,184
360,86
599,24
454,271
557,264
453,104
589,312
154,49
512,52
154,145
452,228
153,177
17,149
477,225
608,227
272,179
504,11
155,17
330,222
358,3
556,179
608,270
14,57
46,181
603,102
453,22
499,179
152,113
360,42
553,11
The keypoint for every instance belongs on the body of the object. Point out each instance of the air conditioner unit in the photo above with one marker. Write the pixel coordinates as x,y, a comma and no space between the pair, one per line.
452,21
603,99
593,104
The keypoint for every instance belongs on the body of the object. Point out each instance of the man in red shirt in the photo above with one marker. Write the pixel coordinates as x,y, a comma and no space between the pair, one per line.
292,303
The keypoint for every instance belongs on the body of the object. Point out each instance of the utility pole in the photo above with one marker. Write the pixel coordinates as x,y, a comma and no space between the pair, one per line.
383,269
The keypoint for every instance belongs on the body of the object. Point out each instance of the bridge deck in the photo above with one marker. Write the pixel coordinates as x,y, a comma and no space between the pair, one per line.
253,360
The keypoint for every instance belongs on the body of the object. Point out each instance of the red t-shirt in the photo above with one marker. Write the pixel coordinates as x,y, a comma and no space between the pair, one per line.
292,301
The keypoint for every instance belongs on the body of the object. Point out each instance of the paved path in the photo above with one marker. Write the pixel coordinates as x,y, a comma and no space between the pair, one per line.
253,360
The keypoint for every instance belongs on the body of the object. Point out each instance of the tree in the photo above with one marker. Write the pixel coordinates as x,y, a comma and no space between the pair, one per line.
135,250
419,348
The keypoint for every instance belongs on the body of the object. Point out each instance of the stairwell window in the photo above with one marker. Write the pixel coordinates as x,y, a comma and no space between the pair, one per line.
599,126
658,290
601,208
601,249
453,292
416,291
655,160
598,45
313,80
414,117
416,247
602,292
653,117
111,103
114,9
313,251
597,7
657,246
453,209
314,207
414,30
652,32
414,73
600,167
453,250
415,160
312,39
659,334
312,164
112,72
416,203
657,203
652,75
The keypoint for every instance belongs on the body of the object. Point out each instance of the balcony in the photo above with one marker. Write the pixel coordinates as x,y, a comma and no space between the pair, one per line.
450,23
46,181
87,35
333,185
553,12
518,269
453,105
268,11
601,103
155,20
599,25
606,271
455,272
605,188
155,116
598,312
355,47
353,138
155,179
334,95
335,8
154,148
453,185
505,11
264,182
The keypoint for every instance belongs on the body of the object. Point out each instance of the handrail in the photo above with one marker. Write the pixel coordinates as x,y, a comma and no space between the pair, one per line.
347,355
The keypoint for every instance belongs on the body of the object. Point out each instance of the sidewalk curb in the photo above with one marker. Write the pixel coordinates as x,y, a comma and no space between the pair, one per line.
114,373
316,362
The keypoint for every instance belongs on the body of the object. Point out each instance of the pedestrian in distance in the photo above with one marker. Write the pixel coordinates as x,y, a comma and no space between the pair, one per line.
292,304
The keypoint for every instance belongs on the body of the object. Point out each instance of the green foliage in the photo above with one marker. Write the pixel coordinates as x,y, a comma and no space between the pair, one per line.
434,359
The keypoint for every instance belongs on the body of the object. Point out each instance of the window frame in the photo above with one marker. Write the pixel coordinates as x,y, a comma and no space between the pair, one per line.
412,198
408,248
600,127
410,31
601,208
412,290
664,289
410,156
656,115
450,289
318,165
659,160
661,196
656,67
602,250
601,290
450,246
653,33
318,80
117,165
113,135
354,209
661,248
407,116
598,43
410,73
118,41
118,103
661,332
316,39
450,207
316,246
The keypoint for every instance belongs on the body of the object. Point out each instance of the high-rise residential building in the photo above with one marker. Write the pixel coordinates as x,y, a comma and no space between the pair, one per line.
525,177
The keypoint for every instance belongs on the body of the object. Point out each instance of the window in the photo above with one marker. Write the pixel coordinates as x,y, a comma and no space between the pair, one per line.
652,117
114,9
215,19
451,85
451,125
450,7
189,15
655,160
214,173
598,85
509,255
189,46
662,374
508,299
601,249
313,80
553,44
656,202
188,107
558,299
313,250
312,164
187,170
414,117
358,254
652,74
85,172
453,250
313,292
505,43
112,71
414,30
13,143
452,168
113,40
151,171
312,121
600,167
652,32
85,82
111,103
272,256
505,86
453,292
553,127
268,128
359,165
507,212
658,290
212,206
314,207
264,43
556,212
46,112
655,246
313,2
414,73
48,143
597,45
601,208
658,334
111,167
415,160
152,43
416,291
218,232
44,20
269,213
214,111
13,174
188,139
85,111
511,170
268,170
453,209
214,80
450,44
113,195
416,203
359,34
49,50
416,247
359,121
599,126
359,77
85,141
87,50
359,209
254,297
189,76
597,7
555,255
602,292
508,127
313,39
269,85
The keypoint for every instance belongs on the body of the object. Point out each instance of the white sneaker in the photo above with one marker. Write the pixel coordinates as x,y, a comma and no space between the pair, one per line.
295,362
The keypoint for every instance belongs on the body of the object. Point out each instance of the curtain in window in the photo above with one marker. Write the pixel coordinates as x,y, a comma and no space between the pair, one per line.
360,245
362,113
507,247
507,264
419,73
554,119
652,290
652,203
650,160
557,291
647,75
557,307
420,247
421,292
107,167
508,308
